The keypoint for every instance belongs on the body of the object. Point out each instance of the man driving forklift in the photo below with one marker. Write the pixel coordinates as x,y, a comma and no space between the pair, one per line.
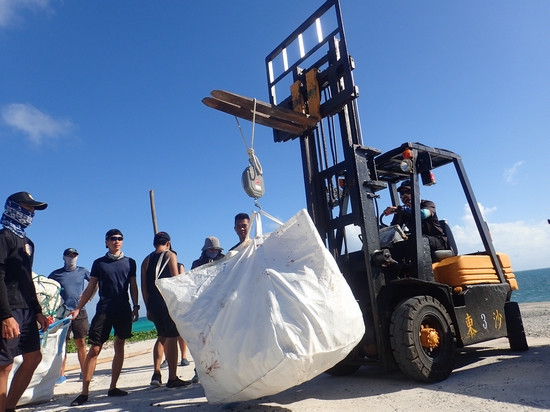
431,228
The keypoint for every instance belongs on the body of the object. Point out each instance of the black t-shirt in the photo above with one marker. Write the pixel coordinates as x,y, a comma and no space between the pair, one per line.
155,301
16,286
114,279
203,260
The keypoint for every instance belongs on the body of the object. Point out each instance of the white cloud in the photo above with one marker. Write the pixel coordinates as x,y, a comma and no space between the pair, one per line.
10,10
510,174
36,125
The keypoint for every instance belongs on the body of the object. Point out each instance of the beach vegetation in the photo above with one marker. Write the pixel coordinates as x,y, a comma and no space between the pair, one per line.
136,337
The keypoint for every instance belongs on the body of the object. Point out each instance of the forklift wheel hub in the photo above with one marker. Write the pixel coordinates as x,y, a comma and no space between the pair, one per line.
429,338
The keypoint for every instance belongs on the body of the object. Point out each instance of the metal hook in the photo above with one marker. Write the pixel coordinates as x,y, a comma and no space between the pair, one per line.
257,204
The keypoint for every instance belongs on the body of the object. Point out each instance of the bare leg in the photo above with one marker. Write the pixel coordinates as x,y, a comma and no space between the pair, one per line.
118,361
158,353
183,347
81,352
89,367
171,354
22,377
4,373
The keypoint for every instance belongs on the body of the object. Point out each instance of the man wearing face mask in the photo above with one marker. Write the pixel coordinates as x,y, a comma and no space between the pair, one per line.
211,251
19,308
431,229
73,280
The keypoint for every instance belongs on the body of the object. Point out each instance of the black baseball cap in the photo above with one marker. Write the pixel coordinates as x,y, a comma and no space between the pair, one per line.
70,251
25,198
405,186
113,232
161,238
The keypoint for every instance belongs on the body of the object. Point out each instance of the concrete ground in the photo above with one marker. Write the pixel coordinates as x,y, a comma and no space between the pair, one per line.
488,377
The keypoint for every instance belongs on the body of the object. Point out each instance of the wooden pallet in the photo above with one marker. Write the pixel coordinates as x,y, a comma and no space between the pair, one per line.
266,114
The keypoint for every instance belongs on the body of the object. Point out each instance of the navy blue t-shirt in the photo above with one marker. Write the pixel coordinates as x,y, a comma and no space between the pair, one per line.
114,279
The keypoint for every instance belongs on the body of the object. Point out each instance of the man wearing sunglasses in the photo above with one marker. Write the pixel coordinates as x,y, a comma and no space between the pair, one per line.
114,273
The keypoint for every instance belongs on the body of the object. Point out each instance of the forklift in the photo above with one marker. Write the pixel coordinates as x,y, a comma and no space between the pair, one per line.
418,308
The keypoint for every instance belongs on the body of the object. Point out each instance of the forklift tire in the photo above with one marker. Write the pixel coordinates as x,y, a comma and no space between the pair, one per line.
414,360
514,326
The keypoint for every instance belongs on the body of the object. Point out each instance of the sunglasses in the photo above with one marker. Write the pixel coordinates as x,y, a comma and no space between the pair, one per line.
115,238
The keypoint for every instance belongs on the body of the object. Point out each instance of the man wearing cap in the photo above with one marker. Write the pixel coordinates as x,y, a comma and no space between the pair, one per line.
431,229
73,280
161,263
19,307
113,273
211,251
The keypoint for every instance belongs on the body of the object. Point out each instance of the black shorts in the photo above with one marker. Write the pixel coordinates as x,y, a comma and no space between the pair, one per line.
79,326
102,323
28,341
164,324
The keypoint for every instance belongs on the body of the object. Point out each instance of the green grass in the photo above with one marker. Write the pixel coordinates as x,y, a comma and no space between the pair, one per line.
136,337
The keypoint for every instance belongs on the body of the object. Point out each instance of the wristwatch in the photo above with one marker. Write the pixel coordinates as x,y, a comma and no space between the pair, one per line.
136,307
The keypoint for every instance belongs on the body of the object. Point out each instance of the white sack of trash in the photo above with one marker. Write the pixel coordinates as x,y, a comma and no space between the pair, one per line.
273,316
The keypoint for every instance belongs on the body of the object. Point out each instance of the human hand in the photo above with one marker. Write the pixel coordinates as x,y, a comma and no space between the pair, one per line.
10,328
73,314
135,314
43,320
390,210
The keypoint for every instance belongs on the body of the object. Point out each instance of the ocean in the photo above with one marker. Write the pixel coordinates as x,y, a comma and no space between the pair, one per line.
534,286
143,325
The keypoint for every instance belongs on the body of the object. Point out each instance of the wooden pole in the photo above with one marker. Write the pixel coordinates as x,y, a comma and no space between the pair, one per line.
153,211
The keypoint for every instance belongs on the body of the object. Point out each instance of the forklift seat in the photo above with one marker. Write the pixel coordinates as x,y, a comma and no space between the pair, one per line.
439,255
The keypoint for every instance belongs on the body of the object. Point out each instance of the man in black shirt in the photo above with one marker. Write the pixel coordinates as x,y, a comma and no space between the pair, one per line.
114,273
19,307
431,229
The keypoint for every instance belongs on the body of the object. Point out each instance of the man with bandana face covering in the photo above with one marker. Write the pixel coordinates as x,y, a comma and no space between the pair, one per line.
19,307
73,280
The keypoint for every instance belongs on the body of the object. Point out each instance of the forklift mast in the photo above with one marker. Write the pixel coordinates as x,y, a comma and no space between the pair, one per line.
340,176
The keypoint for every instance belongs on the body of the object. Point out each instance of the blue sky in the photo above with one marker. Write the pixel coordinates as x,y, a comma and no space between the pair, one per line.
100,102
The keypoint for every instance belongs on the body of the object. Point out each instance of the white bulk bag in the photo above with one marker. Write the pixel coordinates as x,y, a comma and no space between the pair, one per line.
276,314
45,376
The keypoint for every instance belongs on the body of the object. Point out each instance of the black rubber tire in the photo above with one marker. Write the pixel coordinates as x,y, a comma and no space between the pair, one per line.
415,361
343,369
514,326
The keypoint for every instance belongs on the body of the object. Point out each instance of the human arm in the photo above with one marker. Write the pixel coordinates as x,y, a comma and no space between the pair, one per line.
134,296
144,292
427,209
173,263
86,296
